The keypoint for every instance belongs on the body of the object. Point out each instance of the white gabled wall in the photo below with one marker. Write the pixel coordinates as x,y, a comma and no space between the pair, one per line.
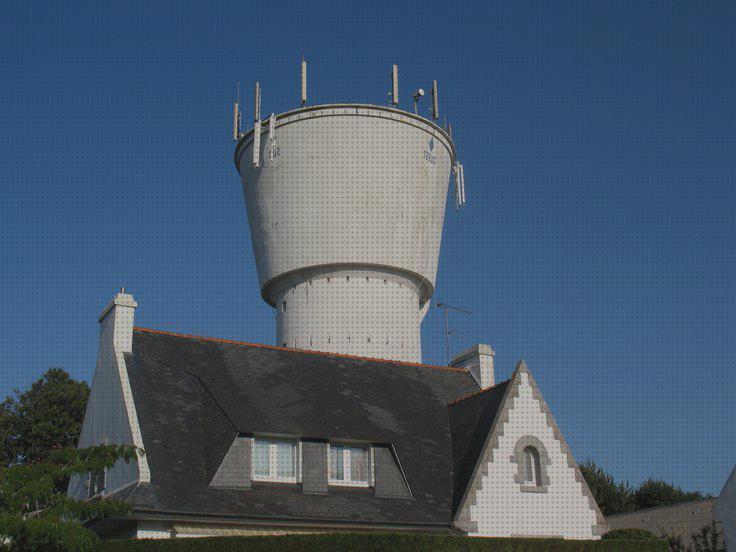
495,504
724,510
110,417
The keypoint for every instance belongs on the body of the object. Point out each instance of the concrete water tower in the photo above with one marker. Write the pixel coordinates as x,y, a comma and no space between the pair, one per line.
346,205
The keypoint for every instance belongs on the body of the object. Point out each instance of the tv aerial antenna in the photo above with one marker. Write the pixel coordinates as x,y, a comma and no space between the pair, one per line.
449,331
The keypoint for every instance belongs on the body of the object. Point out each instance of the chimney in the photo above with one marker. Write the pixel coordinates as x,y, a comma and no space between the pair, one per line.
478,360
116,322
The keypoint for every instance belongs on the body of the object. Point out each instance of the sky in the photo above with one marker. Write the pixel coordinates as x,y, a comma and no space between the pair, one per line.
599,146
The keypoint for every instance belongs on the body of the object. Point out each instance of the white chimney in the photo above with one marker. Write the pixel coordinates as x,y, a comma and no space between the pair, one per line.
116,321
478,360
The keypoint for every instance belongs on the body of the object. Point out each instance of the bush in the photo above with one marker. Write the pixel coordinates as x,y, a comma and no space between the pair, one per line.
629,534
656,492
360,542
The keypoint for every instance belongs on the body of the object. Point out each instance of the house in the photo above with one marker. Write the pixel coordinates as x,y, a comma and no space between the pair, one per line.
724,510
243,438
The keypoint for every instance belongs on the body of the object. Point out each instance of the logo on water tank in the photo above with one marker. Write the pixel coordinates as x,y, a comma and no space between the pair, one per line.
428,155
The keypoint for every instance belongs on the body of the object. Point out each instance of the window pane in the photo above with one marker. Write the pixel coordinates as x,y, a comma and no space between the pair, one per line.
336,468
261,457
528,466
285,459
358,464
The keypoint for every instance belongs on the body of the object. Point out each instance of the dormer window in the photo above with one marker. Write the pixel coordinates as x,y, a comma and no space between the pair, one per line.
275,460
349,465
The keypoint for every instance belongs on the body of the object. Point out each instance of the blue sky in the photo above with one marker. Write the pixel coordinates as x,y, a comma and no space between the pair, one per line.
599,148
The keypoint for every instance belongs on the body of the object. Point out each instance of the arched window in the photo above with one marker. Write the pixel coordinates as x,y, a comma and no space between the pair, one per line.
532,468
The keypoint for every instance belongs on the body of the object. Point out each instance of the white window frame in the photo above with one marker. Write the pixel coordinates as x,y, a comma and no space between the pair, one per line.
273,476
348,481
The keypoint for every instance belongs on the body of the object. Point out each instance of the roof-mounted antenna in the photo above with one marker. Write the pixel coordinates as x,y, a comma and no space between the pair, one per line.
236,117
417,95
459,185
434,106
448,330
257,126
304,82
395,85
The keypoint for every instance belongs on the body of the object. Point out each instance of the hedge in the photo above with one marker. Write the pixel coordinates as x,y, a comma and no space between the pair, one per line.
362,542
630,534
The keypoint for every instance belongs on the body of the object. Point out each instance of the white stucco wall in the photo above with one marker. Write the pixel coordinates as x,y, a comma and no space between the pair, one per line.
153,530
724,510
110,417
500,508
383,321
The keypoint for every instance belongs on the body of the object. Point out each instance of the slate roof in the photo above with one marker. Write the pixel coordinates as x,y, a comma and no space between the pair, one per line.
194,395
471,419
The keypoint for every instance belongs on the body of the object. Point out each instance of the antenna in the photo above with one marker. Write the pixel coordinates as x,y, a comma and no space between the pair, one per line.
459,185
417,95
395,85
434,106
304,82
236,117
447,308
271,141
257,126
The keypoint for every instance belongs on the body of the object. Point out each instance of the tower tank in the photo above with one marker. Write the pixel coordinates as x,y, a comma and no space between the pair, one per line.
346,205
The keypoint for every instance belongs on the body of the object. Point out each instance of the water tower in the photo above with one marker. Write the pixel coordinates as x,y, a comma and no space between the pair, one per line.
346,204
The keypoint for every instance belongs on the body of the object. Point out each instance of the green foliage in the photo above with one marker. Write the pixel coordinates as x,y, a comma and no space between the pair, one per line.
675,543
360,542
45,417
630,534
707,539
656,492
38,430
35,516
612,497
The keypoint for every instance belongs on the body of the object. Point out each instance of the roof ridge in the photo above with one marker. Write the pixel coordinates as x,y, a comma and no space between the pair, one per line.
471,395
304,351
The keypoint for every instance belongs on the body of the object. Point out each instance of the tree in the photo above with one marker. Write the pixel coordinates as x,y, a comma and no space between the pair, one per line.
35,516
657,492
46,417
612,497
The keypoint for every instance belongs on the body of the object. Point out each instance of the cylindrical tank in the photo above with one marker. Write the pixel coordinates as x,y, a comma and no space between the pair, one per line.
346,210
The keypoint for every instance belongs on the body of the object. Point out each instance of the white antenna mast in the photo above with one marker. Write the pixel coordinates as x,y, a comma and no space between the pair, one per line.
304,82
236,117
395,85
257,126
434,105
417,95
459,185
